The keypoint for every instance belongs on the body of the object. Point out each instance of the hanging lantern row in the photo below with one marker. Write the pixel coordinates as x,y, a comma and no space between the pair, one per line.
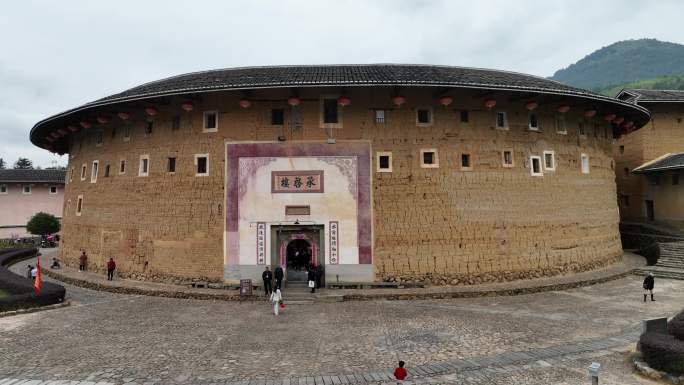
72,128
85,124
151,111
123,115
245,103
531,106
610,117
343,101
103,119
446,100
294,101
619,120
563,108
490,103
187,106
589,113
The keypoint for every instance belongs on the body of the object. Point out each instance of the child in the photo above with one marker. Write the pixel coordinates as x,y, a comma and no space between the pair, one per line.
400,372
276,298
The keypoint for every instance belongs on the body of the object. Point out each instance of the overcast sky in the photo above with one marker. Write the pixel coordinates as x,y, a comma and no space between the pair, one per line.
59,54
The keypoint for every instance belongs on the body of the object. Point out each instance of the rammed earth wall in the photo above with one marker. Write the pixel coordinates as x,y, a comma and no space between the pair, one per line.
451,225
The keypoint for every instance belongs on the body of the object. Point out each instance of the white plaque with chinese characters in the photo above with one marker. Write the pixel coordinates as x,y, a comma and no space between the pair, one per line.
334,233
261,243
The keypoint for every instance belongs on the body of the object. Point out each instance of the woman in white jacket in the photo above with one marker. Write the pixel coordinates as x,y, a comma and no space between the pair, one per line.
276,297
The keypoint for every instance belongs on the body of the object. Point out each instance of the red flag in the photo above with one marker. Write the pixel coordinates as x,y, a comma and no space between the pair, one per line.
36,283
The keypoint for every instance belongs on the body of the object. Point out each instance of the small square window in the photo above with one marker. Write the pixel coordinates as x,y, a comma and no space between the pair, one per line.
210,121
585,163
3,189
428,158
675,179
79,205
127,133
536,166
501,120
149,125
175,123
27,189
71,174
549,161
464,116
144,166
122,166
380,116
423,116
465,162
202,164
622,149
560,124
582,129
277,117
384,161
330,111
83,172
106,173
171,164
533,123
99,137
53,190
507,158
93,171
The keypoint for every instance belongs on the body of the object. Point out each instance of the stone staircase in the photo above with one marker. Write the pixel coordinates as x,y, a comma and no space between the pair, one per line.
299,293
670,263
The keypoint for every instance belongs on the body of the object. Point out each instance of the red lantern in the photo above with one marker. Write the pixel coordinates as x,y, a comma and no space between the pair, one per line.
589,113
343,101
531,105
187,106
244,103
72,128
563,108
399,100
123,115
103,119
49,139
446,100
151,111
293,101
55,134
610,117
62,131
86,124
618,120
490,103
628,124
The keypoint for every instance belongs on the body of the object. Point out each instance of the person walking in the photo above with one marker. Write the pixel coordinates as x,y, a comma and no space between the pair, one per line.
311,276
83,262
29,269
319,275
267,277
276,299
111,265
649,282
34,273
278,277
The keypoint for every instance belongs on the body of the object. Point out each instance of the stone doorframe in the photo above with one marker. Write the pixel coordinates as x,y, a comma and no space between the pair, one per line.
280,241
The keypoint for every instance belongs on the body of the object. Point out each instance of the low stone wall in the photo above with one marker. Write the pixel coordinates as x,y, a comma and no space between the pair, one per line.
20,289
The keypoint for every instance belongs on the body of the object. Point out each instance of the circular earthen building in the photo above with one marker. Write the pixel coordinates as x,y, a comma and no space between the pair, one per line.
372,172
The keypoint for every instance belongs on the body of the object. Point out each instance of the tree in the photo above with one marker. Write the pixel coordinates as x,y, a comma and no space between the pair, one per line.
23,164
43,224
2,164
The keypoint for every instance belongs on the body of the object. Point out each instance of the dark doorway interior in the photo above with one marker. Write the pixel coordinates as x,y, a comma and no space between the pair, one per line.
649,211
298,256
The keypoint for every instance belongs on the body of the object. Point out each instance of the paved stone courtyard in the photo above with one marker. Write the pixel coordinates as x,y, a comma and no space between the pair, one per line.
547,338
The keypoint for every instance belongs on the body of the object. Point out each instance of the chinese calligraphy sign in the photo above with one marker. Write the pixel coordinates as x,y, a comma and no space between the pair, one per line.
334,233
297,181
261,243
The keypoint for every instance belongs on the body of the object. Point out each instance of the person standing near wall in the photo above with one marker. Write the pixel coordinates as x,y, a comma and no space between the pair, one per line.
278,277
267,277
649,283
311,276
83,262
111,265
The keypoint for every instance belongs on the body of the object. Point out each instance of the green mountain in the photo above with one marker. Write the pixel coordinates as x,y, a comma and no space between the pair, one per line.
662,83
624,62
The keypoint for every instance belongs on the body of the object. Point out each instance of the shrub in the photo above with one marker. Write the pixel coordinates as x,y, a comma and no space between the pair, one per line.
676,326
43,224
663,352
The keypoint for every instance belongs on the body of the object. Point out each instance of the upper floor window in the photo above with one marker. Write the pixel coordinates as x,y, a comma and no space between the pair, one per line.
53,190
106,173
536,166
171,164
464,116
210,121
501,120
380,116
127,133
330,114
384,161
466,162
93,171
582,128
534,122
549,161
79,205
83,171
175,122
560,124
122,166
26,189
622,149
3,189
202,164
144,166
99,137
149,126
277,117
675,179
424,116
428,158
507,158
71,174
585,163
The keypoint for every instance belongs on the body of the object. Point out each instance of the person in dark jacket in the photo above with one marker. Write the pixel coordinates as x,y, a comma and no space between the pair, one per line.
649,282
29,268
111,265
278,273
267,277
319,275
311,276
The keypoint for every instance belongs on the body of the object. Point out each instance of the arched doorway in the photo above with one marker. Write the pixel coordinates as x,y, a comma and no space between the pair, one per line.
298,256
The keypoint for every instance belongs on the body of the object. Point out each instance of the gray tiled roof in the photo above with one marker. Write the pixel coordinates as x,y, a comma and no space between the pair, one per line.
387,75
653,96
20,176
664,163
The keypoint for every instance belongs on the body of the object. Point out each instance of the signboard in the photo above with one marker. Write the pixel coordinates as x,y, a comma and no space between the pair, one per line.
310,181
245,287
334,242
261,243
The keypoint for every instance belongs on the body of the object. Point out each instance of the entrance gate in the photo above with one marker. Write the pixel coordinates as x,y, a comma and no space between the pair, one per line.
296,248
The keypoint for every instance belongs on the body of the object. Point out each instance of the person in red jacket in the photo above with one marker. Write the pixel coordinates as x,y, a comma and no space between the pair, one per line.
400,372
111,265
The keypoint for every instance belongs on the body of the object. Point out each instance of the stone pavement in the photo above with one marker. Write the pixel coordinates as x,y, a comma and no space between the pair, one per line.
544,338
99,282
